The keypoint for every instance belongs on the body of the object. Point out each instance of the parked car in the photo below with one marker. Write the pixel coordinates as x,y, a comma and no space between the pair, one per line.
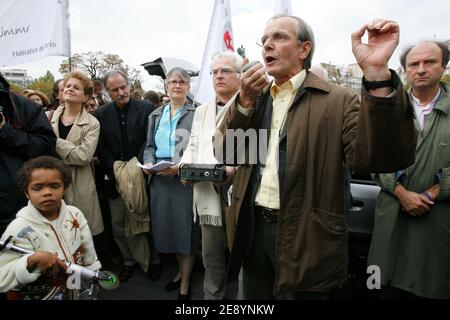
360,219
360,215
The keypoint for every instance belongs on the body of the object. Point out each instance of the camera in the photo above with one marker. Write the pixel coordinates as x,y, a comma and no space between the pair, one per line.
202,172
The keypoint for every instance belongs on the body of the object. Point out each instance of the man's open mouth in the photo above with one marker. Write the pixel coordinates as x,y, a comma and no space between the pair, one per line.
269,60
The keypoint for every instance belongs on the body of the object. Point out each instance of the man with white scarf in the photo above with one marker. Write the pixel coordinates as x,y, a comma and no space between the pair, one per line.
225,71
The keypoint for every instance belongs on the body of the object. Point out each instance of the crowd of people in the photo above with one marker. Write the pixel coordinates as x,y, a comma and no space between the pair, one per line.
86,174
98,98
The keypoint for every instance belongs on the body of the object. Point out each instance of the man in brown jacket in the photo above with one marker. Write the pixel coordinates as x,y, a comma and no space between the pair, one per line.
286,223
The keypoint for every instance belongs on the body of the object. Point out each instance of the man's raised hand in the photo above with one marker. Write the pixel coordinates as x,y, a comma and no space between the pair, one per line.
373,56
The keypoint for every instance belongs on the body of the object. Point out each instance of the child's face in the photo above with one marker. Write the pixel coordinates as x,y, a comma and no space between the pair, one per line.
45,191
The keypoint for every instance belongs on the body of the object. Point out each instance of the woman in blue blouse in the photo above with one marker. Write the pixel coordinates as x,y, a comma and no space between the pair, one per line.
174,230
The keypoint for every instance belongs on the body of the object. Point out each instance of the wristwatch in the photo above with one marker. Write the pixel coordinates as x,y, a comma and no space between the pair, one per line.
370,85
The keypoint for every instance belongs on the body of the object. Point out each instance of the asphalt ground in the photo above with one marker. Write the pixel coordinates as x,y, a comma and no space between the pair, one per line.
140,287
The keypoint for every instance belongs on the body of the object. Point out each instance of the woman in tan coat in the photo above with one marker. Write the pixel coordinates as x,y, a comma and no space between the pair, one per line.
77,132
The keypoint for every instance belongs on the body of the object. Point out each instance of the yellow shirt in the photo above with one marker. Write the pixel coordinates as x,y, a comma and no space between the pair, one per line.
268,192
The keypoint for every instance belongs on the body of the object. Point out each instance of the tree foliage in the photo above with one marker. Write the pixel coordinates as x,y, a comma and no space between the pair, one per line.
15,88
94,64
135,78
44,84
97,64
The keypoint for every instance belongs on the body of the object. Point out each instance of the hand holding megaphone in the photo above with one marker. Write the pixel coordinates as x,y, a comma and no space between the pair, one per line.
253,81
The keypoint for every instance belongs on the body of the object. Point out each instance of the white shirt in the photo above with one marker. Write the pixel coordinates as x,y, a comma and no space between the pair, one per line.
422,110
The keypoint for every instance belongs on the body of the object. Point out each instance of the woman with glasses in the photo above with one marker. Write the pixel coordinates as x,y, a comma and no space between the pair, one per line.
174,230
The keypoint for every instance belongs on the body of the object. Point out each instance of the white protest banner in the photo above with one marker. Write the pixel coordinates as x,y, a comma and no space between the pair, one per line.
220,38
33,29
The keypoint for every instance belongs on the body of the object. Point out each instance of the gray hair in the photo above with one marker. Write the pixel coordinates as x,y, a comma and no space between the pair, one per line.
179,72
229,55
441,44
304,33
113,73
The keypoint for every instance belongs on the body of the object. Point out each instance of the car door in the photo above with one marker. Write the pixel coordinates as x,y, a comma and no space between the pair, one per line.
360,219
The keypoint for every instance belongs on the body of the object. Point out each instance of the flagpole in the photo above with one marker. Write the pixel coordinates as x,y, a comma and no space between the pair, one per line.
219,38
283,7
70,38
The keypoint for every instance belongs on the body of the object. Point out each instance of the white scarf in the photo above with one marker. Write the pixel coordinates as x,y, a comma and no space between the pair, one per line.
206,200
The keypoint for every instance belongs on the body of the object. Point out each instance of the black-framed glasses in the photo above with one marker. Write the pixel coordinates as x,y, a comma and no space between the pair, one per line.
276,37
182,83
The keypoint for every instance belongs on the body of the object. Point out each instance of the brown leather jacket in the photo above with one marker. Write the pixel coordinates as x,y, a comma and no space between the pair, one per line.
325,126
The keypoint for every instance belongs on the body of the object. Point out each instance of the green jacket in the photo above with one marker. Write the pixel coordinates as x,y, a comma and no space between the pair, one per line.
414,252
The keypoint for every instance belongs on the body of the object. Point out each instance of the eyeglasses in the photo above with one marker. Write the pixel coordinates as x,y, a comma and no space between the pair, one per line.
276,37
175,82
224,71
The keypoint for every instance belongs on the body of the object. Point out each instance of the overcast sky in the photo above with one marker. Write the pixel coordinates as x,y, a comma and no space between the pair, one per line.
141,30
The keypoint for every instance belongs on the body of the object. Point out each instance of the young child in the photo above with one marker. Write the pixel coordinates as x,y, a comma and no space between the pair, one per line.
57,233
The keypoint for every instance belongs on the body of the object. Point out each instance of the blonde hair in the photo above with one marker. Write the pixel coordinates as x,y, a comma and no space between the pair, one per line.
88,85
